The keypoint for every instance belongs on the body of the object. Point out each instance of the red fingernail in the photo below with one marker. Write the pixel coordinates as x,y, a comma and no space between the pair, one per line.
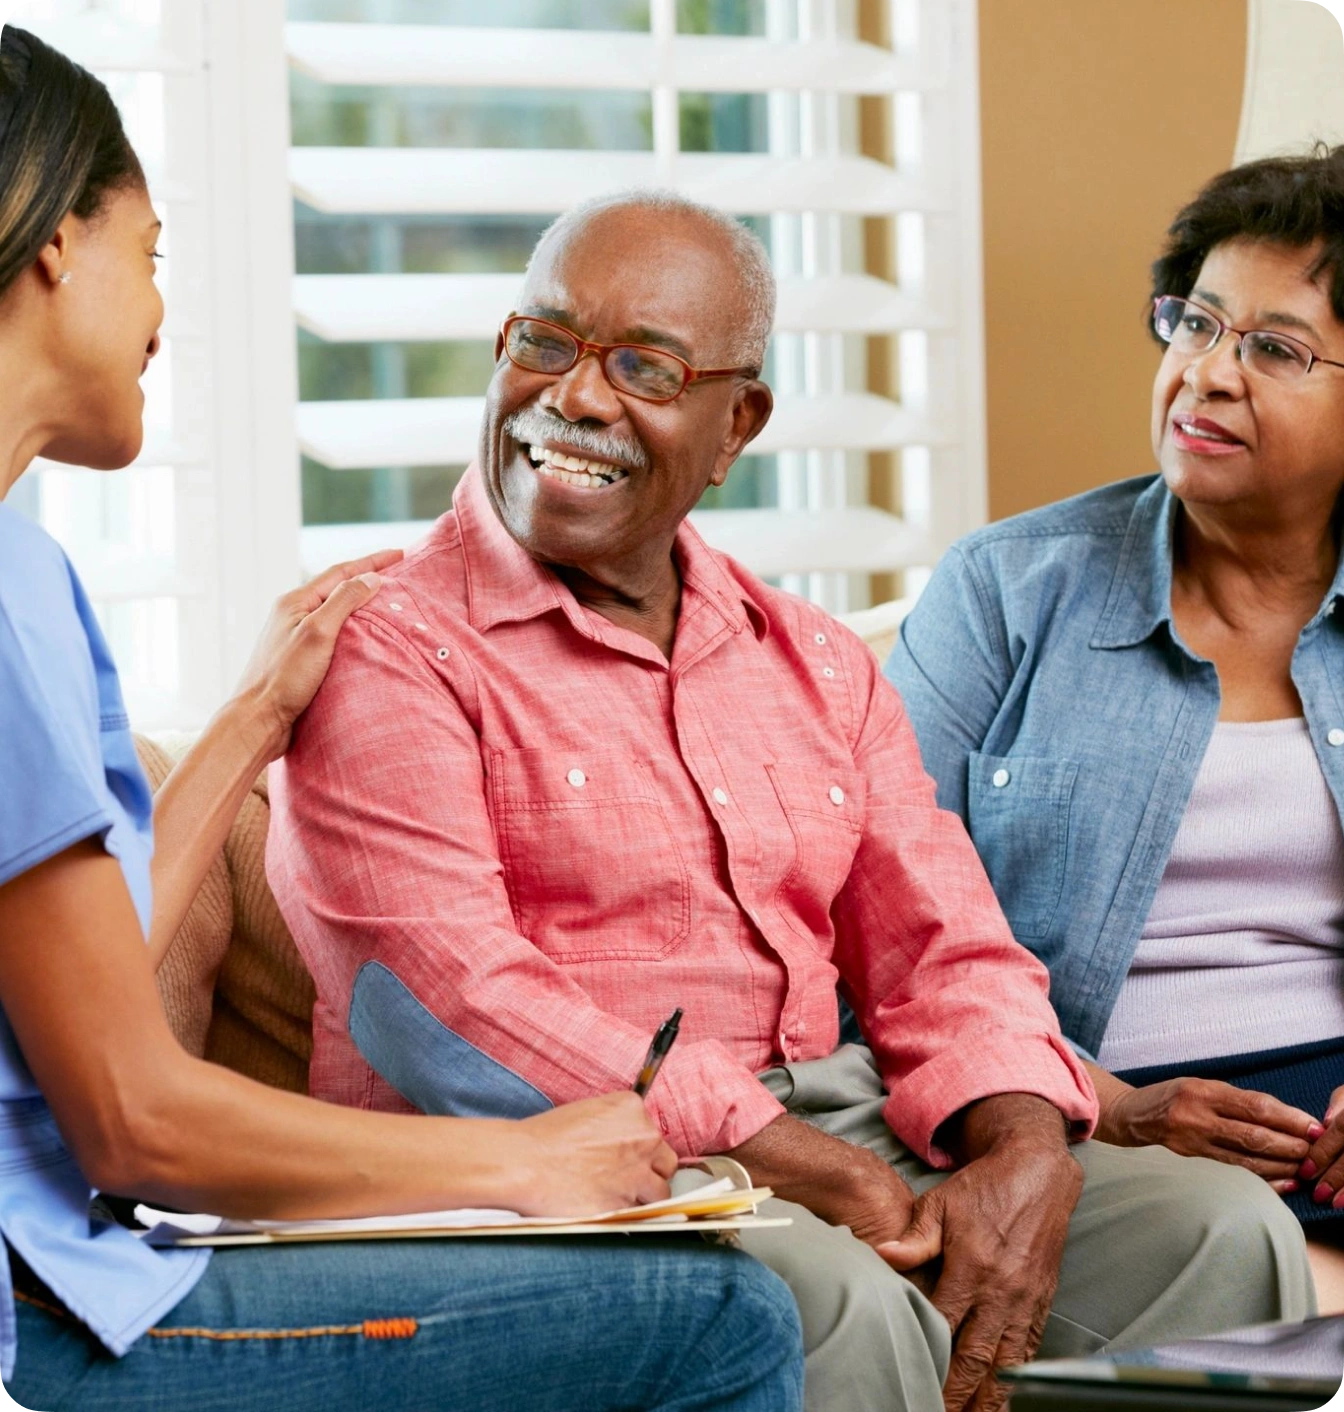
1289,1186
1322,1192
1314,1131
1307,1170
1338,1201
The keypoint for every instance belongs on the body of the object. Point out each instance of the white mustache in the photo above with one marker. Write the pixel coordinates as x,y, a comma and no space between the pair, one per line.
532,427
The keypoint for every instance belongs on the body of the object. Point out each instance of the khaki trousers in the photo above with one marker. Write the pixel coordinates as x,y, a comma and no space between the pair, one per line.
1160,1247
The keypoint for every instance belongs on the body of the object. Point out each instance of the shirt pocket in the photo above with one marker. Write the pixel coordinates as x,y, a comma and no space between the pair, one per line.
1019,821
824,806
589,852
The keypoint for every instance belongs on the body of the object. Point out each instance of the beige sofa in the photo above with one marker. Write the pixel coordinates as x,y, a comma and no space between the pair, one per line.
233,983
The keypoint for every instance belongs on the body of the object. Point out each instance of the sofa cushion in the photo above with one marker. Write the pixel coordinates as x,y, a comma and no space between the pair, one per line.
879,626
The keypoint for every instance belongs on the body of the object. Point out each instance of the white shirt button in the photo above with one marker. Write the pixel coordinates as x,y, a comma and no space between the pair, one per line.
420,627
395,607
577,778
441,653
1336,736
820,639
720,797
1000,778
837,794
828,671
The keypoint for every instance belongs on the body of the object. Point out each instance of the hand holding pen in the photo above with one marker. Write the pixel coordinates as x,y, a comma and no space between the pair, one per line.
653,1060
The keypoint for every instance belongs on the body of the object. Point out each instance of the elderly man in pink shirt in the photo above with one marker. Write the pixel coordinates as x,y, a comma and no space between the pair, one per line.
572,768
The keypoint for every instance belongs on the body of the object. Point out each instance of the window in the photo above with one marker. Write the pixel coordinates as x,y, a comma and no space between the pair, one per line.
429,153
183,553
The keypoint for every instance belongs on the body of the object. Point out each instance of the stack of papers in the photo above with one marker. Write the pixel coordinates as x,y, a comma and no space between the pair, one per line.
722,1205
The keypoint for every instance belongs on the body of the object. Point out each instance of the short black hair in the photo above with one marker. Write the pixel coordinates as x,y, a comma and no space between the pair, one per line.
1292,201
63,149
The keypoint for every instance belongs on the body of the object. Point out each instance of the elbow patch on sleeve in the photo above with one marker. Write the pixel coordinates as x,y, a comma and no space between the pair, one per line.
425,1061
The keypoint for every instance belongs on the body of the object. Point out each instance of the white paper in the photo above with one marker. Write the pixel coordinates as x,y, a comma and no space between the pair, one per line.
166,1227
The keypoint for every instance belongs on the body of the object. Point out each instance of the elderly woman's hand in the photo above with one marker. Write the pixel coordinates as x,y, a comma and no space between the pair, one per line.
1322,1173
1208,1118
294,651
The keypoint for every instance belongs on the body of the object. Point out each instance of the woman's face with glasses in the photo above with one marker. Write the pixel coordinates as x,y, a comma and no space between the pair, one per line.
1253,417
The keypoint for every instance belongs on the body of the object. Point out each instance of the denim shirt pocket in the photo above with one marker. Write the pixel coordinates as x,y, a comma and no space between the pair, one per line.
1019,821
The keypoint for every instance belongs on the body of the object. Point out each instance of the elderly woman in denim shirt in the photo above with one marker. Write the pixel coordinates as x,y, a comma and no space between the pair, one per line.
1135,700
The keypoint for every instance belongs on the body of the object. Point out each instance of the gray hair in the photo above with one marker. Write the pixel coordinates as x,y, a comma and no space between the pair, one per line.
755,277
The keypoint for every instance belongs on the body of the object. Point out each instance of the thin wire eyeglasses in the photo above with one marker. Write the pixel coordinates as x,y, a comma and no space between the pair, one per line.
651,374
1192,329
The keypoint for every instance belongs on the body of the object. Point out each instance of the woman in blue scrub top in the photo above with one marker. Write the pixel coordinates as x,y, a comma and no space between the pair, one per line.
95,1093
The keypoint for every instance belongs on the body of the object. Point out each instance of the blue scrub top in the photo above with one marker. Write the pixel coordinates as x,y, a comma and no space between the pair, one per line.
68,771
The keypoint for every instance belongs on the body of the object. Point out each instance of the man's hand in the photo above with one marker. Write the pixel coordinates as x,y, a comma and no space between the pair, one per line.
843,1184
1000,1224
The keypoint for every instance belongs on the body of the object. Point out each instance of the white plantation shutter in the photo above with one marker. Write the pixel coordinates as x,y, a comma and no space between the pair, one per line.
812,185
183,552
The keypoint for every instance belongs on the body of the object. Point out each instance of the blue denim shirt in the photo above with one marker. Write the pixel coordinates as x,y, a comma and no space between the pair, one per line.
68,771
1065,721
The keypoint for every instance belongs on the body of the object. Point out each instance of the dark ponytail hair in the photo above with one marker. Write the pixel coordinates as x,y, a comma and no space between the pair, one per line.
63,149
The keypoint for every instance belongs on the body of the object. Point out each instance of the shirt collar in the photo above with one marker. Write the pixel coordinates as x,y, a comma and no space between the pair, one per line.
506,584
1139,601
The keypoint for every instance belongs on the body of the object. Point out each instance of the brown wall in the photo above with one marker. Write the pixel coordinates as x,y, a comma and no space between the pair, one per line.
1099,118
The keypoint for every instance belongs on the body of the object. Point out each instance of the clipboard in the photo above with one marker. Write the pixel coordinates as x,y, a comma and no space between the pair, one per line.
725,1204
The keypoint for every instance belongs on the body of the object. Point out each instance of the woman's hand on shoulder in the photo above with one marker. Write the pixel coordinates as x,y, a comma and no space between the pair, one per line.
295,647
594,1155
1209,1118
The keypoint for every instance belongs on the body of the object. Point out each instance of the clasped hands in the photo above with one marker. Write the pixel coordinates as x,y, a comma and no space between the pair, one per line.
1289,1148
984,1245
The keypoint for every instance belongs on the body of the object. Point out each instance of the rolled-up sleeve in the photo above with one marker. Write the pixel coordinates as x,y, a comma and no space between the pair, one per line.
954,1008
384,853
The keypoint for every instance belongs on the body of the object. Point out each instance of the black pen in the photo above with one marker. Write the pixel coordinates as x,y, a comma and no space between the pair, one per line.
653,1060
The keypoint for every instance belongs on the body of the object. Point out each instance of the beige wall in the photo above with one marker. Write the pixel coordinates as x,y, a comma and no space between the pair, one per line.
1099,118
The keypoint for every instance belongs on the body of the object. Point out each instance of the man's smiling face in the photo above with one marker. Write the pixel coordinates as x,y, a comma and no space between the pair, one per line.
588,477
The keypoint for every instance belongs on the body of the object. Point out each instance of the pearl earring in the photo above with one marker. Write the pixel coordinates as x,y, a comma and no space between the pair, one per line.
64,277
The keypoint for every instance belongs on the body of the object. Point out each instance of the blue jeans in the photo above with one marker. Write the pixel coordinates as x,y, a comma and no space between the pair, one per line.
488,1325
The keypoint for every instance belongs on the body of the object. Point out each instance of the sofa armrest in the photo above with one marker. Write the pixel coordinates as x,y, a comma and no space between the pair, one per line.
187,976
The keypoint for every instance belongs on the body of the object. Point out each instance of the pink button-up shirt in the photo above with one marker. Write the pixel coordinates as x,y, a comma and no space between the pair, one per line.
551,836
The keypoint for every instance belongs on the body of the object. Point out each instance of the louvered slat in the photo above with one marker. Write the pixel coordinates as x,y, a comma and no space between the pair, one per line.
438,181
115,575
443,431
858,539
433,55
408,308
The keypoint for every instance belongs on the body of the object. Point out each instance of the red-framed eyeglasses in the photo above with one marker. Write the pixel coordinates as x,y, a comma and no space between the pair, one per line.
651,374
